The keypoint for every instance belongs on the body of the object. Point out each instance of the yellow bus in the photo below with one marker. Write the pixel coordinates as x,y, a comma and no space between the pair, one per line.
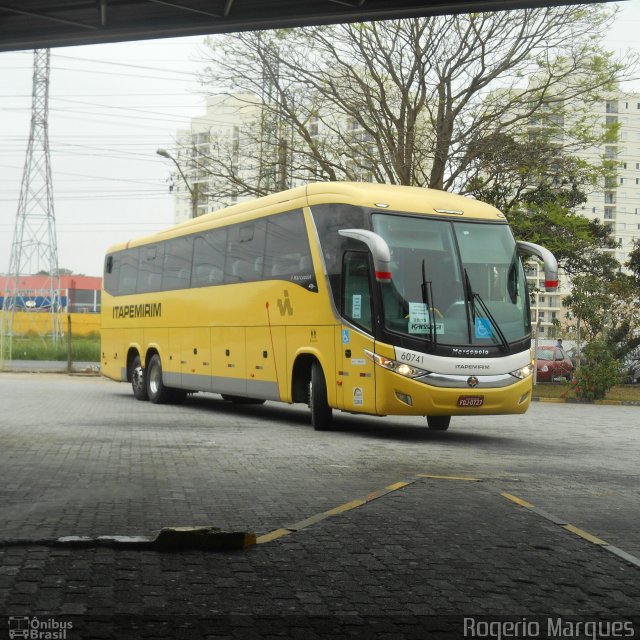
365,298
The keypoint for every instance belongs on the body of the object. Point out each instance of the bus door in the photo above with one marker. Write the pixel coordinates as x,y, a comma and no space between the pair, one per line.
357,372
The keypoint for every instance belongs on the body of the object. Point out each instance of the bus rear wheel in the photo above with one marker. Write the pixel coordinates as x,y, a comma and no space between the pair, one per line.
321,414
438,423
138,383
156,390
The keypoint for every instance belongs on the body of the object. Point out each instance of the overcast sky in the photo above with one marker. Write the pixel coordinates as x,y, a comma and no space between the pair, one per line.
110,107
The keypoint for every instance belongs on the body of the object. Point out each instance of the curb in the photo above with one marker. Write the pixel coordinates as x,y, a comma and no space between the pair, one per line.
615,403
169,539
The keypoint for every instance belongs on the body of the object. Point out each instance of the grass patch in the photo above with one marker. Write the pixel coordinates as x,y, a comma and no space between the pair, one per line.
625,392
83,349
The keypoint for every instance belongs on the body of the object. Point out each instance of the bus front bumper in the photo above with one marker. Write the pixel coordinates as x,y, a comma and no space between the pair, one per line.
398,395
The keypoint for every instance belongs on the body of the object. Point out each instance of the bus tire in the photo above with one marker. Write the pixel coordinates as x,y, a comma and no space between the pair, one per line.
438,423
321,413
138,382
157,392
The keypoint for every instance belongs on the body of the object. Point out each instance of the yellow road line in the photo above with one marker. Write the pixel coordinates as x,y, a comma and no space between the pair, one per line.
354,504
273,535
520,501
345,507
397,485
585,534
303,524
463,478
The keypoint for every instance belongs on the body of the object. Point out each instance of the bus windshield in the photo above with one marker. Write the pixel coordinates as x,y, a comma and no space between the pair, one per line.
453,282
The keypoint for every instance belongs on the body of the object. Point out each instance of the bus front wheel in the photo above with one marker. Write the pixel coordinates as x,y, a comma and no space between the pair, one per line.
321,414
138,383
438,423
156,390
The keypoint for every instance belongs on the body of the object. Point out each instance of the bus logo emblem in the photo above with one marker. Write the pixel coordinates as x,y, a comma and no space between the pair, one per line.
284,306
472,382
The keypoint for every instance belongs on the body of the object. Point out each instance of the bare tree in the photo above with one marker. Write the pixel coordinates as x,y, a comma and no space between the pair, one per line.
413,102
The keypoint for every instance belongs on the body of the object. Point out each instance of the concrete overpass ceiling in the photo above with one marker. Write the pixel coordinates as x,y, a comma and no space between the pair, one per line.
29,24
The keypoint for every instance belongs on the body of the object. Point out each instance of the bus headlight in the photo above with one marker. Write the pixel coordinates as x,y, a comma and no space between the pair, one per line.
523,372
401,368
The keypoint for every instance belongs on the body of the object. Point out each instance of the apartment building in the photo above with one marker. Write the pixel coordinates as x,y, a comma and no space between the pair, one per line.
617,204
219,131
238,136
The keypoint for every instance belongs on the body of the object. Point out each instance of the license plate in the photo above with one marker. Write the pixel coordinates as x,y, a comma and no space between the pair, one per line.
470,401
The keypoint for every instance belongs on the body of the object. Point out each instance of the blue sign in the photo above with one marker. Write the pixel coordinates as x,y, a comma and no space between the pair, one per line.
345,336
484,330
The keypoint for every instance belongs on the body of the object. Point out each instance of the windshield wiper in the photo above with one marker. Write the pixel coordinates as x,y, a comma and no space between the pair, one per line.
469,294
427,300
472,297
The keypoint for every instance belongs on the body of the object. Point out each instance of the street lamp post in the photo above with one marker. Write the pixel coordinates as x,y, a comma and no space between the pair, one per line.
193,192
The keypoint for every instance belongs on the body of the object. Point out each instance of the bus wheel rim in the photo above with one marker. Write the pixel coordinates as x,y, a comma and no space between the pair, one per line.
154,380
138,377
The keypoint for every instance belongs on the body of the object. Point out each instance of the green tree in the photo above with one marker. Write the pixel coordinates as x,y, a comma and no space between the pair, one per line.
590,301
608,309
633,264
540,189
411,102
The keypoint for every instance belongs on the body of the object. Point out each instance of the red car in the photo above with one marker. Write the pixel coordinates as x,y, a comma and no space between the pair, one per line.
553,363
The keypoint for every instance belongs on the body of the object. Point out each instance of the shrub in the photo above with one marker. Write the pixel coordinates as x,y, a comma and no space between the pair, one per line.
598,373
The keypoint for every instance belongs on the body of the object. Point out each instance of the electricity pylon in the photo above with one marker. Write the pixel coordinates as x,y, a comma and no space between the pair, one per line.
34,248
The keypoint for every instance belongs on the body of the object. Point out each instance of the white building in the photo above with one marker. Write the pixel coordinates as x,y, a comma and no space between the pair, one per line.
618,203
238,138
218,131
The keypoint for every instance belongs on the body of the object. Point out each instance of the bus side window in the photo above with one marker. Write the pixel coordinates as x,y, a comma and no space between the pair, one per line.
150,268
356,301
177,263
244,248
111,273
208,258
287,253
128,275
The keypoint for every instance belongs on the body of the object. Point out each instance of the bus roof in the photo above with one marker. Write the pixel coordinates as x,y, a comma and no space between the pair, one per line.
364,194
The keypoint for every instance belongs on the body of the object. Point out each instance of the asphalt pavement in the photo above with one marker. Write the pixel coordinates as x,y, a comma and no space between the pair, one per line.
378,529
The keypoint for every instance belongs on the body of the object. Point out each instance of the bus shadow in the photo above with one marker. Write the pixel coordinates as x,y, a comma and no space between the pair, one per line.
372,428
369,427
